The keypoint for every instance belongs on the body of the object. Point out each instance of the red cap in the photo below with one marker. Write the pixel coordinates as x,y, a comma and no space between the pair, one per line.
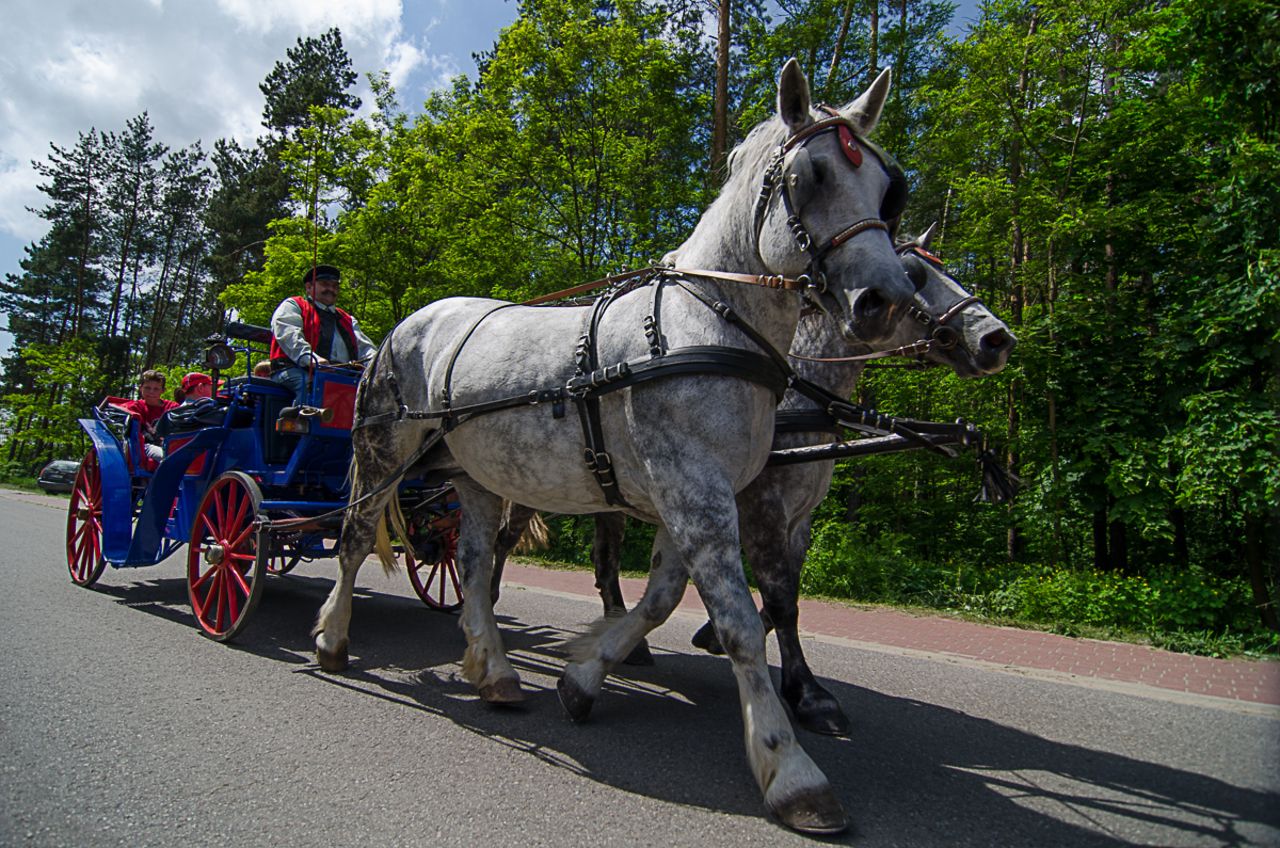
193,379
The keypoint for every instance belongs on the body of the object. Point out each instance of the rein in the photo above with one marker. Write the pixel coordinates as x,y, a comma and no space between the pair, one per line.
769,281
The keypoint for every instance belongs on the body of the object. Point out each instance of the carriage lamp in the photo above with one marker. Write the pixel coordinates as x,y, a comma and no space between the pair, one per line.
219,355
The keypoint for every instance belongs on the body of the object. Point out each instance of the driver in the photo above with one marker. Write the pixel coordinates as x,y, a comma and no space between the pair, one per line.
311,331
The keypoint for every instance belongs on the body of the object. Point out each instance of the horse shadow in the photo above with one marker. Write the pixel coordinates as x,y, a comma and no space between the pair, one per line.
913,772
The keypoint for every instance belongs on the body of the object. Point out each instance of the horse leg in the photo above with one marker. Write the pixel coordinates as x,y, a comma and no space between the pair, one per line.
613,638
485,662
777,562
794,788
374,458
606,557
515,520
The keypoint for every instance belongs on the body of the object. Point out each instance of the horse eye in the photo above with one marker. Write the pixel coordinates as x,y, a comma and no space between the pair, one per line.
819,170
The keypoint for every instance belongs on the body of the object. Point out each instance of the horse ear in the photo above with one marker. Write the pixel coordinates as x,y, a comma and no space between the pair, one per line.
865,111
928,236
793,96
895,229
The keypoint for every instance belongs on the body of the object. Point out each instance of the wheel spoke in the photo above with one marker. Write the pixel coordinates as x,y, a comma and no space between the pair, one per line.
240,540
239,580
234,526
203,578
232,577
219,511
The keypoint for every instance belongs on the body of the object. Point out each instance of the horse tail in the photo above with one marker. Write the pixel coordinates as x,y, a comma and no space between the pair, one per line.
536,536
382,541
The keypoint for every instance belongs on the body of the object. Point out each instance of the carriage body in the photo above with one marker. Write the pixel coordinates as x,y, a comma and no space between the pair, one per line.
249,492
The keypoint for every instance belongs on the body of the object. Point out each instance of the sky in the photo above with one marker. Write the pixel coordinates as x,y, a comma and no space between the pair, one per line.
194,66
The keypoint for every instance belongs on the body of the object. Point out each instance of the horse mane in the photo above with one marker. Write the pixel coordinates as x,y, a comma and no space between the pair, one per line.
733,210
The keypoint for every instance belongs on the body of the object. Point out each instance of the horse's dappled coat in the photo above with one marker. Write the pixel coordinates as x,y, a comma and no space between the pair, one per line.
682,446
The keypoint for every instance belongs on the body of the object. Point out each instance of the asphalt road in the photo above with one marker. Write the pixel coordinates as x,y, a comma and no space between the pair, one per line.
121,725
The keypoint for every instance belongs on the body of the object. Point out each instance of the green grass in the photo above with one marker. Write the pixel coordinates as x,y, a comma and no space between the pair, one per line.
1184,610
28,484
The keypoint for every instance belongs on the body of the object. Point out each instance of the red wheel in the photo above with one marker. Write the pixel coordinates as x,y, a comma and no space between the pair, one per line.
438,585
282,563
84,523
224,571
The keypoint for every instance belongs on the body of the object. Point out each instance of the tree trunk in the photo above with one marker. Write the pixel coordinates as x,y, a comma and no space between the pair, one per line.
1255,525
1119,545
835,56
1100,560
720,141
873,42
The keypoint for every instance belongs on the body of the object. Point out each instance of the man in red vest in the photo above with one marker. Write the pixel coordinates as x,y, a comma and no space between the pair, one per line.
311,331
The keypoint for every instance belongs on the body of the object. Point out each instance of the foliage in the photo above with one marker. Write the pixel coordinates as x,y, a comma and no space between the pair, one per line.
1102,176
68,383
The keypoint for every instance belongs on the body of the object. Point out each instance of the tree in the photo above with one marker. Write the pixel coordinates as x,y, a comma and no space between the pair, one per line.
317,72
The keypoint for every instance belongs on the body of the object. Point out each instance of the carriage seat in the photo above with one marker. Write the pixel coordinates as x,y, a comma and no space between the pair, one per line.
200,414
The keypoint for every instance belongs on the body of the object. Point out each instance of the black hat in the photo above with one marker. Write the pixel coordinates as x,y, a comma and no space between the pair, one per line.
321,272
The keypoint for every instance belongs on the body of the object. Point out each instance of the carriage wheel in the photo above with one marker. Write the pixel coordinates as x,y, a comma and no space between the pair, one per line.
438,585
84,523
224,571
282,563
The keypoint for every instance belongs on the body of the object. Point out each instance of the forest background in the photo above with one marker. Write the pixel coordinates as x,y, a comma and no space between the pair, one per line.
1102,175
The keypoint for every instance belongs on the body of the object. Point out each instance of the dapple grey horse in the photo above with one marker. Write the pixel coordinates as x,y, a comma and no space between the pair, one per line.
774,511
682,445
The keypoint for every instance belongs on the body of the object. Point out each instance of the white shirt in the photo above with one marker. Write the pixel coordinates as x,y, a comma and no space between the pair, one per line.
286,326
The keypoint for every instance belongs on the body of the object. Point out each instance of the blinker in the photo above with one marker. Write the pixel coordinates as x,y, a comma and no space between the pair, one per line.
850,147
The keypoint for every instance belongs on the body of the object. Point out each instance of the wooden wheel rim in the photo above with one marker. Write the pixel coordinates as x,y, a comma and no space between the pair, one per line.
440,587
224,572
84,523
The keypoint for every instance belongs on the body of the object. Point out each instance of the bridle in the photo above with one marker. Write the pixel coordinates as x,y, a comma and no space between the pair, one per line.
815,272
940,335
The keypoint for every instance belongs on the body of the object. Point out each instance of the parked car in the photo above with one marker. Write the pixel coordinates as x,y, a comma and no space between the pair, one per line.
58,476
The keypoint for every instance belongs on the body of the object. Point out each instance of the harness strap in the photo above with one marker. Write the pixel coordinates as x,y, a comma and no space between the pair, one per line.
806,421
769,281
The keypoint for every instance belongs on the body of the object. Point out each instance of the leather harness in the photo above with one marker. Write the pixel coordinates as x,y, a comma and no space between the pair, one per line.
768,368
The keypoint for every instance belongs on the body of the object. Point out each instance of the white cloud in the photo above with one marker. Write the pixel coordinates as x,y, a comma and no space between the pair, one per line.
67,66
358,19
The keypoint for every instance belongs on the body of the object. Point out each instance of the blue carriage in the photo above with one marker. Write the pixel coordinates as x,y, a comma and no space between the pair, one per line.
252,486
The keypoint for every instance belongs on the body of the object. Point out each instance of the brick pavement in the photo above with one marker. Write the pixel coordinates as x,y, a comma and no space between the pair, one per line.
1005,648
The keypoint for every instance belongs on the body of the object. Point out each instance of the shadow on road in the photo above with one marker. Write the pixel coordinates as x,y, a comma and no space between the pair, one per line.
913,773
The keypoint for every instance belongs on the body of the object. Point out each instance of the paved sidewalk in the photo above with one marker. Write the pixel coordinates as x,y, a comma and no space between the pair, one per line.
1137,669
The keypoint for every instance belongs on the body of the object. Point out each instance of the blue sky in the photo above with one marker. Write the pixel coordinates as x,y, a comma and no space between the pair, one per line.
195,65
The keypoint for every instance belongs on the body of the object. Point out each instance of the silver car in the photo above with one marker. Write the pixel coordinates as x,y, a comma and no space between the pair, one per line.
58,476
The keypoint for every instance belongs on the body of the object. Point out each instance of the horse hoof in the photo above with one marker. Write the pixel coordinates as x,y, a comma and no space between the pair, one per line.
640,655
335,660
707,640
817,811
576,702
503,691
828,722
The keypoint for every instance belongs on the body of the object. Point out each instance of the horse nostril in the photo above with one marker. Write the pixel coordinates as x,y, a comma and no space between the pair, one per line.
995,340
870,301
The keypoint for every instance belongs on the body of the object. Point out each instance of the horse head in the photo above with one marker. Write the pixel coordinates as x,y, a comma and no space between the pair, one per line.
826,194
966,336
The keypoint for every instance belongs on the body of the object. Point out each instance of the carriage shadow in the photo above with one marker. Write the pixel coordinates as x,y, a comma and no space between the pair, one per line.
913,773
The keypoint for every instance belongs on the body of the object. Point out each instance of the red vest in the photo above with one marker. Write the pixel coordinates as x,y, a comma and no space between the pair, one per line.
311,332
